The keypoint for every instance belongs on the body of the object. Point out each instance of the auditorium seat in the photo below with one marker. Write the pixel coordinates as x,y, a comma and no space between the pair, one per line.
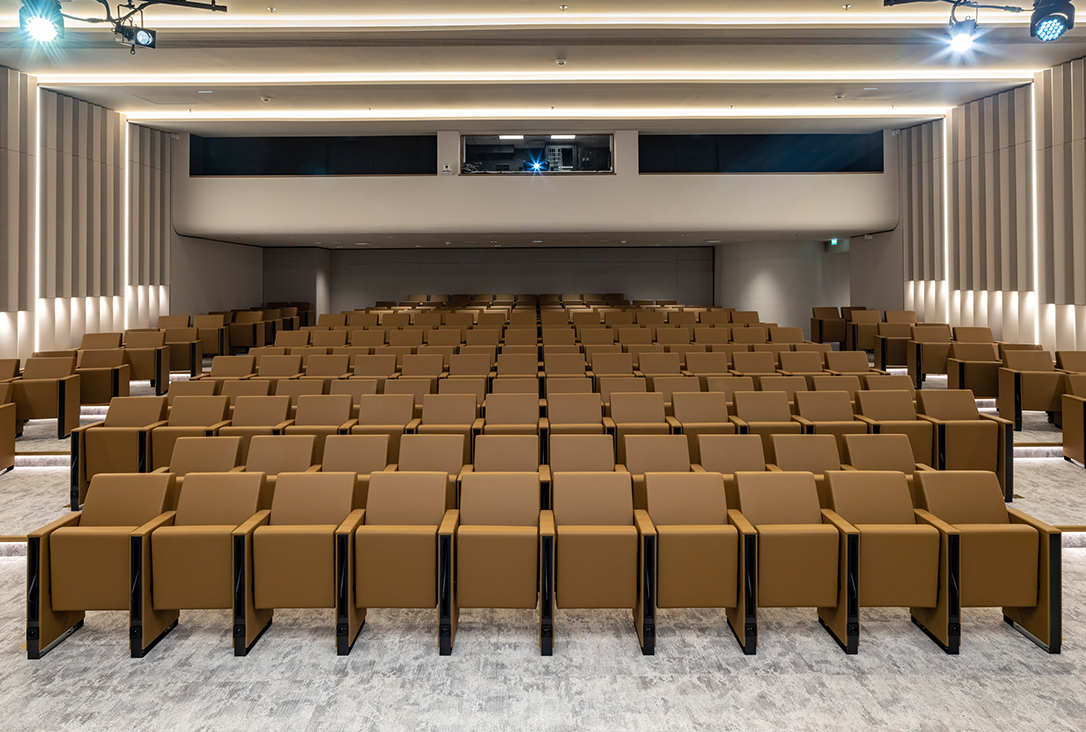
428,453
893,412
451,414
361,455
103,374
883,382
828,413
1072,362
748,336
764,413
277,454
728,455
514,414
278,368
653,454
1074,420
510,365
815,454
312,519
199,387
807,364
827,326
203,455
848,383
653,365
8,428
1008,559
148,358
405,518
592,551
428,368
701,413
882,452
293,388
190,416
849,363
696,545
754,364
48,388
863,326
497,542
257,415
213,333
729,385
192,558
99,559
100,341
248,330
634,413
118,444
605,365
928,351
965,439
322,415
386,414
892,344
671,385
790,385
802,554
370,338
172,321
1029,381
226,368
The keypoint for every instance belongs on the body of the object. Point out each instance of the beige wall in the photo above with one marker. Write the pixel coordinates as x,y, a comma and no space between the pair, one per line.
876,271
214,275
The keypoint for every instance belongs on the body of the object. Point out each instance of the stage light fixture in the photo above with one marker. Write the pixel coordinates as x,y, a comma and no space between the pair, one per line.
42,20
130,35
962,34
1051,19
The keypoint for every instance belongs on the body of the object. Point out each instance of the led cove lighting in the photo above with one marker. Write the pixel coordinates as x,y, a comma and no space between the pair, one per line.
510,137
563,137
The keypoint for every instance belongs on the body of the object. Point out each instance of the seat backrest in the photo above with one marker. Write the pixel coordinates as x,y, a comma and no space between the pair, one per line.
145,339
500,499
778,498
634,407
754,362
557,336
96,341
331,320
127,499
848,382
208,321
422,365
885,406
517,336
659,363
328,366
415,498
785,335
824,406
48,368
476,386
694,407
198,411
731,453
515,364
356,388
297,388
762,406
744,317
135,411
279,366
934,333
260,411
612,363
812,453
323,410
520,409
451,409
729,385
752,334
677,499
614,384
880,382
281,454
707,363
948,404
582,453
593,499
221,499
376,365
362,454
901,330
565,364
967,351
961,496
306,499
205,455
880,452
432,452
172,321
201,387
483,336
411,338
801,362
1028,361
370,338
568,385
871,497
848,362
470,364
633,335
293,338
711,335
233,366
657,454
900,316
973,334
1075,384
385,409
826,313
506,453
673,336
865,316
9,368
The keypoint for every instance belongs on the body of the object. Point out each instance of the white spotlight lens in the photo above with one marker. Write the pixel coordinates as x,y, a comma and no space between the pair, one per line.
41,29
961,42
143,37
1051,28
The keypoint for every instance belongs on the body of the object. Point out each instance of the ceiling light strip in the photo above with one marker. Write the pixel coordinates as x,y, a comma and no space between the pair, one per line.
588,76
538,113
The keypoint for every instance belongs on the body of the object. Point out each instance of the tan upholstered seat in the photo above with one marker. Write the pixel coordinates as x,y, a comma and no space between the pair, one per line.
148,358
701,413
965,439
48,388
764,413
828,412
362,455
435,452
322,415
277,454
203,455
1028,381
927,351
190,416
893,412
186,350
653,454
213,333
728,455
257,415
974,366
451,414
635,413
1074,419
225,368
827,325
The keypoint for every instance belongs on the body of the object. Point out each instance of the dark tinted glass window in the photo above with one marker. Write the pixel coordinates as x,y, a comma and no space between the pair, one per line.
760,153
313,156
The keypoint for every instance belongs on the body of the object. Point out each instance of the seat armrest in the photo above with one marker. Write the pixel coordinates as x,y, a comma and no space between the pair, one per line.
848,467
835,520
86,427
608,424
345,428
935,422
866,420
739,423
237,469
881,372
464,471
278,429
695,468
160,471
926,517
449,522
390,468
164,519
72,519
477,425
772,468
674,425
638,374
350,524
621,468
1018,517
924,468
412,426
260,518
544,423
803,421
546,523
544,473
154,425
999,420
212,429
643,523
739,521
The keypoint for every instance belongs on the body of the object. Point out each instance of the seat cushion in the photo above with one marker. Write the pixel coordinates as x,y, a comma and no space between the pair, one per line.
999,565
797,565
972,445
192,567
294,566
497,566
596,566
899,565
697,566
112,450
91,567
396,566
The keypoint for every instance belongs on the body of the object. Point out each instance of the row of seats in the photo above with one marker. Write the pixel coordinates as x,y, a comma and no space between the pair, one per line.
146,547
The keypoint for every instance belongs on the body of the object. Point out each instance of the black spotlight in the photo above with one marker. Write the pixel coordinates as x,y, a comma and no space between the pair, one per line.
41,20
130,35
1051,19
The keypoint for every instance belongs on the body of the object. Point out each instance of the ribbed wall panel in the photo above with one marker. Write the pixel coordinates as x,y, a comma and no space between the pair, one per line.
18,163
921,186
150,223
